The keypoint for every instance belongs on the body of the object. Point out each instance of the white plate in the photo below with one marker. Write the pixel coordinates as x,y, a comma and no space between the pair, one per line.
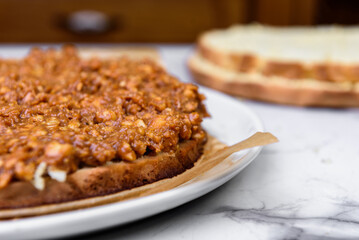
231,122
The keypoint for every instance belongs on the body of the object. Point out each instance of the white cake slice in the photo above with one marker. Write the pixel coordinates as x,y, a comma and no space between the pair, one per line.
309,66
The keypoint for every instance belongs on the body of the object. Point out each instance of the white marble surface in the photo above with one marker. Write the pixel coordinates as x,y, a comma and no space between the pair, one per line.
305,187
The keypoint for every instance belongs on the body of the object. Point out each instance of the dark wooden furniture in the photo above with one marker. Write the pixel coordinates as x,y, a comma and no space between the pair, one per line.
156,20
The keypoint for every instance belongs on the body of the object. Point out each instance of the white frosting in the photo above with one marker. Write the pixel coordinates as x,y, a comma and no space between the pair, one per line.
298,44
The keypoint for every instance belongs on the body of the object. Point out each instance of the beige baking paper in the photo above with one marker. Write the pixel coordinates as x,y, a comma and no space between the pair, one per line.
214,153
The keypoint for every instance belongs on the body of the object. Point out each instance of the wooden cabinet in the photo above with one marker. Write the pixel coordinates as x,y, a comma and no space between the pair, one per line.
115,20
156,20
284,12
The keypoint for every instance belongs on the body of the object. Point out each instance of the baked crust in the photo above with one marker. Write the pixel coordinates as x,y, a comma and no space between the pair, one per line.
98,181
251,63
179,151
273,89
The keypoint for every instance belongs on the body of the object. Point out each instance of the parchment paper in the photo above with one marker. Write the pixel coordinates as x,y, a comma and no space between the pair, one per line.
214,153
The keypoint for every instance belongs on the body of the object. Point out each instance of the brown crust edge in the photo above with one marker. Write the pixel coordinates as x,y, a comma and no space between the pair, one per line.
104,180
249,62
282,94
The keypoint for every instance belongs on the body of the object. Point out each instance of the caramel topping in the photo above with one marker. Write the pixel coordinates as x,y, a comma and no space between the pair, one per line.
70,112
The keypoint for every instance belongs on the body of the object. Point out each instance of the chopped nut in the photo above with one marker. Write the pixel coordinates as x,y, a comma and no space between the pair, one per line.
126,123
38,118
28,98
57,174
79,86
4,90
66,112
94,133
5,178
190,106
125,152
194,118
39,181
25,172
55,149
189,93
140,123
52,122
158,122
106,115
74,124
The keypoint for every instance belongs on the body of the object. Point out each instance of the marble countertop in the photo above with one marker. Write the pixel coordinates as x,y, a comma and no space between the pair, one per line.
304,187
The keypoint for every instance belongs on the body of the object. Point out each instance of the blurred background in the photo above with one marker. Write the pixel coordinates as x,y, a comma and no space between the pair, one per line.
156,20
